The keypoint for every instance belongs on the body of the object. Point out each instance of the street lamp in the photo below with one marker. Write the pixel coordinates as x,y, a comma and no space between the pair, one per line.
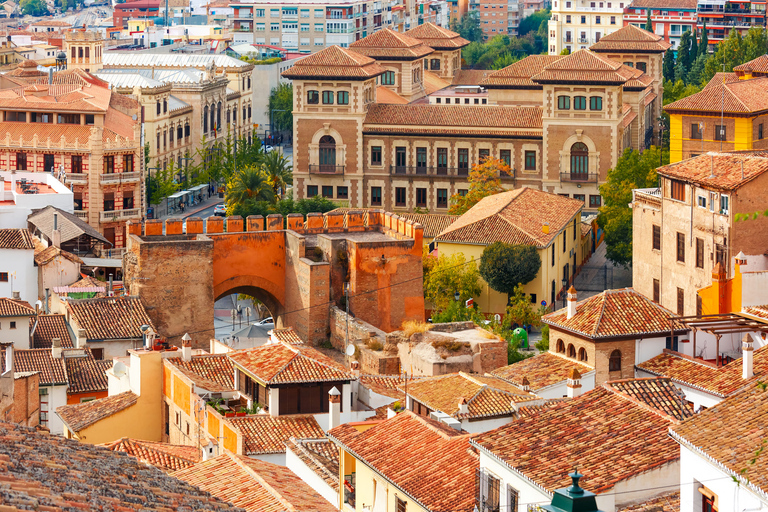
457,296
565,293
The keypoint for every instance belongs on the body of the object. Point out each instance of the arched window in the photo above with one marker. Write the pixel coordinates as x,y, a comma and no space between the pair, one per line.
327,154
388,78
560,347
165,106
571,350
579,162
582,355
218,117
614,362
205,119
213,117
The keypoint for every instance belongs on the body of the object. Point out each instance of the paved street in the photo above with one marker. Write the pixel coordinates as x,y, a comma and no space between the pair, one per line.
600,274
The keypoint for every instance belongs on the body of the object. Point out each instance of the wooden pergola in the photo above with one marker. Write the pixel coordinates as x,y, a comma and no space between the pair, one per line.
718,325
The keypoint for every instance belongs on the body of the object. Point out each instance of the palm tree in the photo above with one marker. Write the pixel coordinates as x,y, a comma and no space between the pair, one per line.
248,184
278,171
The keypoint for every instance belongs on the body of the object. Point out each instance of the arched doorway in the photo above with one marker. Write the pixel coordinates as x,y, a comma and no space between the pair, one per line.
242,313
579,162
327,154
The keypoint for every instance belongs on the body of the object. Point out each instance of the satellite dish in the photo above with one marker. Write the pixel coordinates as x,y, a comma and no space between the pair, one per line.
119,369
350,350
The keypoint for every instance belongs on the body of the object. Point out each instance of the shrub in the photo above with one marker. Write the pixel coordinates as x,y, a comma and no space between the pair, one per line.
412,327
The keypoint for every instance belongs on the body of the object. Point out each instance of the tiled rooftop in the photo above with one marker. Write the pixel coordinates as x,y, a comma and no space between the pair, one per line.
760,64
213,372
86,374
722,381
436,37
591,431
164,456
16,239
287,335
79,416
49,327
41,360
614,313
48,254
585,66
278,363
406,448
110,318
540,371
59,474
335,62
387,44
656,392
731,432
387,385
254,485
633,39
11,307
732,170
668,502
319,455
515,217
518,74
263,434
760,311
485,396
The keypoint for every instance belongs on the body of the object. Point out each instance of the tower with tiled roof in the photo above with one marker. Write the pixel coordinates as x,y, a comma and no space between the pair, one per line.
447,45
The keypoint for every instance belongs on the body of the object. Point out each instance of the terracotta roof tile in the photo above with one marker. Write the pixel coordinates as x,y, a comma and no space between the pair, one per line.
164,456
47,255
79,416
49,327
387,44
264,434
436,37
722,381
86,374
732,170
12,307
519,73
52,372
469,76
433,223
737,97
433,82
633,39
109,318
15,238
614,313
453,116
387,385
254,485
406,448
656,392
587,67
515,217
485,396
335,62
591,430
319,455
64,474
541,370
760,312
668,502
287,335
388,96
213,372
277,363
731,432
759,64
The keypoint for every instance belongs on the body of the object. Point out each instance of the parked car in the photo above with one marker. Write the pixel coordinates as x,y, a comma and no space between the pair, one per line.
220,210
268,148
267,322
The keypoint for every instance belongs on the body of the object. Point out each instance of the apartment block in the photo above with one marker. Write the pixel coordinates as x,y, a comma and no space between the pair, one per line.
721,17
670,18
576,24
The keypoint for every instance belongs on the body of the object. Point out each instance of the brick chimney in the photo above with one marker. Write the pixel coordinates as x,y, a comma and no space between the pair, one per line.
747,357
571,302
56,348
186,347
463,406
574,383
719,281
355,367
334,408
526,384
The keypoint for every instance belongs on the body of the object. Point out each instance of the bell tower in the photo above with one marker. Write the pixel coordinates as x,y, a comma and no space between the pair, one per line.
84,50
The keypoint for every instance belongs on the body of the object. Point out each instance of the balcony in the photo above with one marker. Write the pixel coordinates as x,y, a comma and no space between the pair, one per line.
583,40
82,214
120,177
326,169
647,196
578,177
77,178
420,170
120,215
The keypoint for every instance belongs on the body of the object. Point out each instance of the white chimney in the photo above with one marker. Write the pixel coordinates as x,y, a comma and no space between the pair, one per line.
463,406
80,338
747,357
571,302
334,408
574,383
56,234
186,347
56,348
16,295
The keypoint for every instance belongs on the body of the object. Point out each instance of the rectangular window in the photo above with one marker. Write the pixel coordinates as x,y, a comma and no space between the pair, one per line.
311,190
21,161
400,159
595,201
442,198
327,97
3,277
375,155
505,155
421,197
530,160
342,192
128,200
597,20
328,191
701,201
677,190
513,496
720,132
656,238
375,196
760,131
483,154
696,131
259,13
400,196
127,163
274,27
77,164
421,160
613,20
671,343
463,192
109,164
656,290
342,98
13,325
400,505
580,103
595,103
318,28
681,247
463,161
313,97
563,102
699,253
723,205
580,197
680,301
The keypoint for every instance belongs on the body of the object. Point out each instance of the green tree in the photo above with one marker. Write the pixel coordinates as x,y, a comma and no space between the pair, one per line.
543,344
469,26
34,8
280,107
680,72
565,51
278,172
248,185
730,52
521,311
445,275
694,49
162,183
697,69
633,170
533,22
504,266
648,22
669,65
484,181
755,44
704,43
503,61
674,91
683,53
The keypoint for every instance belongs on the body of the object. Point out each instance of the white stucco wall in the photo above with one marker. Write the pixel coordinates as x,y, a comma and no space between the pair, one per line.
560,389
312,479
274,458
57,396
649,348
114,348
371,398
639,488
344,417
22,274
477,426
753,286
16,207
19,335
527,492
59,272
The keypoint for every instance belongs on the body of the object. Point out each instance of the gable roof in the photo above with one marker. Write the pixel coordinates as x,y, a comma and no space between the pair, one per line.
518,74
45,256
540,371
16,239
406,448
515,217
584,66
109,318
51,369
731,170
70,226
254,485
86,374
319,455
287,335
633,39
213,372
615,313
732,97
164,456
13,307
64,474
436,37
387,385
729,435
386,44
759,65
79,416
278,363
49,327
591,430
656,392
667,502
335,62
452,117
263,433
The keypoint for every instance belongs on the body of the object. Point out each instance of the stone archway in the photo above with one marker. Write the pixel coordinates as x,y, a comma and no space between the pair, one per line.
275,307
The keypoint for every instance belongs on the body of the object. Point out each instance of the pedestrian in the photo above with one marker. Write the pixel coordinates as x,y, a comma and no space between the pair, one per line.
181,206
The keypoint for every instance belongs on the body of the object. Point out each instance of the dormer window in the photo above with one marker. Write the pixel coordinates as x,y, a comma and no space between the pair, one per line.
388,78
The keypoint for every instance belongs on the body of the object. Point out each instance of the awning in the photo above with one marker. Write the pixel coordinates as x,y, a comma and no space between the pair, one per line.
102,262
81,289
178,194
199,187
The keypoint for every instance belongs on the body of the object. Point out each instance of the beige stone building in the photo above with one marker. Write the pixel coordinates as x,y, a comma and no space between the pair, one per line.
560,122
576,24
687,226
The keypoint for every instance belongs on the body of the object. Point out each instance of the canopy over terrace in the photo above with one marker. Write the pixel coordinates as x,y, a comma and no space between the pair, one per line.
719,324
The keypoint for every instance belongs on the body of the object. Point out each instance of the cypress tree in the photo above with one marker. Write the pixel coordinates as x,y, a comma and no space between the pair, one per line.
694,50
648,23
669,65
703,50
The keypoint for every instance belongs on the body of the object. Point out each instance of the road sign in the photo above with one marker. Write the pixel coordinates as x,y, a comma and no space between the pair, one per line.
544,303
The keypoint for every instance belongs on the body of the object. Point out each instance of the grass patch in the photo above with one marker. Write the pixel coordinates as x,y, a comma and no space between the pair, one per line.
412,327
374,344
450,345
